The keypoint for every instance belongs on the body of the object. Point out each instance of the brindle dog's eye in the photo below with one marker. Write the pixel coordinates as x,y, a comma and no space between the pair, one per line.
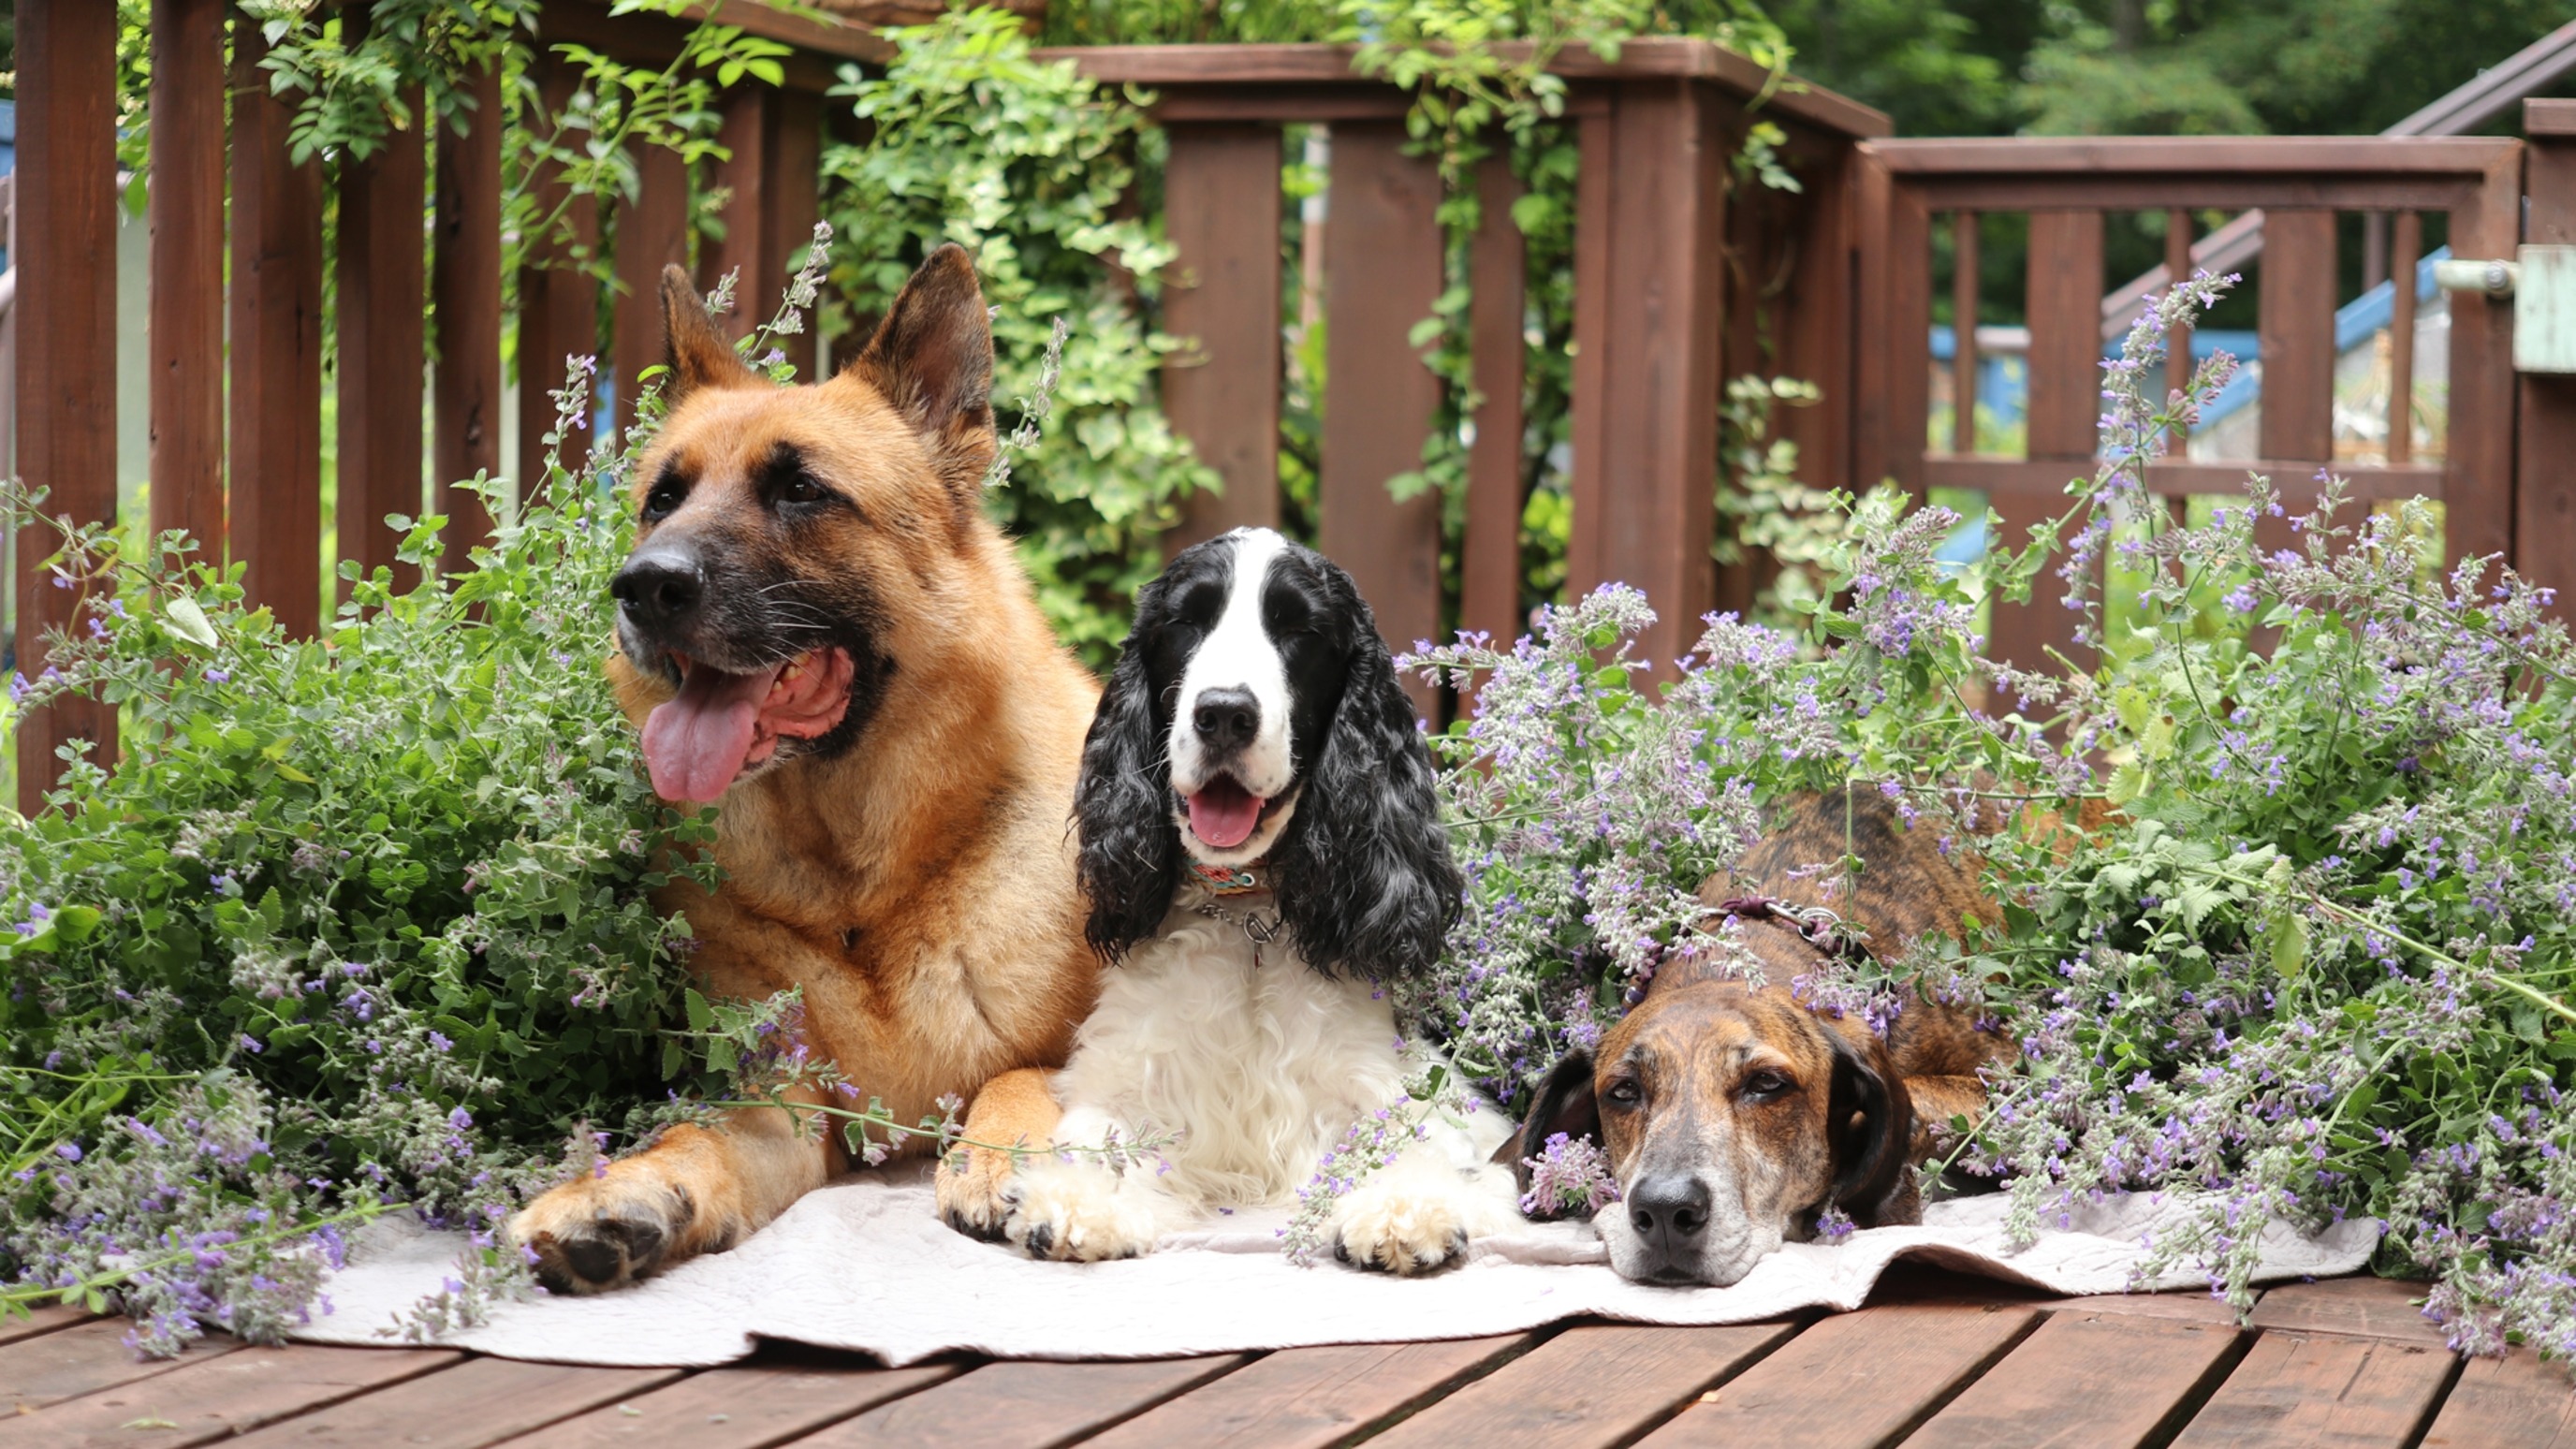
1626,1093
1762,1086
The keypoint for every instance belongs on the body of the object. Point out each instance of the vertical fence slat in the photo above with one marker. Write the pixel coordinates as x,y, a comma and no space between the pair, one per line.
1963,332
1658,391
558,302
2296,317
1489,563
1222,197
382,346
2407,249
2065,309
66,384
2477,481
652,233
465,292
1815,311
791,204
1589,427
276,405
1382,264
1875,381
2545,490
1909,337
187,322
745,133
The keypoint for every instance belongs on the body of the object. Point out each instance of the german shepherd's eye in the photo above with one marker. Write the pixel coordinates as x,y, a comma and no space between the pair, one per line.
784,480
1625,1093
1765,1085
669,492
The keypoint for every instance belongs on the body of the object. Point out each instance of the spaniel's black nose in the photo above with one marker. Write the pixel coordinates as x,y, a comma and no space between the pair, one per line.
658,588
1669,1212
1226,719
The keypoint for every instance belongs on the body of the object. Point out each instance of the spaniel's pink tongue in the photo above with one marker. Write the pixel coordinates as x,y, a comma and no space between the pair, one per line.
696,743
1223,813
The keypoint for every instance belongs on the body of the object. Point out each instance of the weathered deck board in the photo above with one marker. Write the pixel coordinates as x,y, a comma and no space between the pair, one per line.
2369,1307
1025,1405
1302,1397
2184,1307
740,1408
219,1396
43,1320
2083,1379
1591,1384
1854,1381
2297,1389
2518,1399
479,1402
84,1359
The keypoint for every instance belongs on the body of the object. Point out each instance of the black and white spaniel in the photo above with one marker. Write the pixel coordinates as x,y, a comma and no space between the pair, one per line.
1263,854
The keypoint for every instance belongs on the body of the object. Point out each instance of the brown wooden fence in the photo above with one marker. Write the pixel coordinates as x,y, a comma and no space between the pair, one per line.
1681,283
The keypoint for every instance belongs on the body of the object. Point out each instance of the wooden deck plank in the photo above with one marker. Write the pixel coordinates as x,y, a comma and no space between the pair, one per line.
2367,1307
2094,1380
43,1320
2183,1307
2520,1399
1025,1405
231,1393
1595,1384
1855,1380
741,1408
2296,1390
1303,1397
84,1359
479,1402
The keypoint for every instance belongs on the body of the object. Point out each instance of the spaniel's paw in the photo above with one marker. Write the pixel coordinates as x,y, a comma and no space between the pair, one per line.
598,1233
1078,1213
1401,1228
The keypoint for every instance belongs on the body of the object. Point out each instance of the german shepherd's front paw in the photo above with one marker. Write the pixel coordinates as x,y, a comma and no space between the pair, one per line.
599,1233
1079,1213
1401,1229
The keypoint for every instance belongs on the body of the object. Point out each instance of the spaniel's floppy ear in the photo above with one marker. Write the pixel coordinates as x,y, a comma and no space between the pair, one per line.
1363,871
1869,1120
1564,1103
1130,861
692,345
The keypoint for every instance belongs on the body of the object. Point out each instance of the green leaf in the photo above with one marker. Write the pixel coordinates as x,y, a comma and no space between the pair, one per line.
183,618
701,1016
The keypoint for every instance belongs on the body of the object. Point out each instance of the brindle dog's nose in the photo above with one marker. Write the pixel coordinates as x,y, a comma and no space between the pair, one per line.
1669,1212
659,588
1226,719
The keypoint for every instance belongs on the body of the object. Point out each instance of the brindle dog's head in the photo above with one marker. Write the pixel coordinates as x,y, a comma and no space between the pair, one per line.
1731,1118
800,545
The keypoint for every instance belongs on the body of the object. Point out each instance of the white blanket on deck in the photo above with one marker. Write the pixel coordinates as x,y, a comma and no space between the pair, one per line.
865,1265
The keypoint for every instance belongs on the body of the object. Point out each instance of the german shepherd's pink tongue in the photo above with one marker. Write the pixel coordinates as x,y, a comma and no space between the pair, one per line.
696,743
1223,813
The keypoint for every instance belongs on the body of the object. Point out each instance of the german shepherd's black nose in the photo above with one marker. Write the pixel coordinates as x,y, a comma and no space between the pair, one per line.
658,588
1669,1211
1226,718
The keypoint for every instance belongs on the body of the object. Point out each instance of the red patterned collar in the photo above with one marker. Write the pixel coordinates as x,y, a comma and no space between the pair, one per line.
1230,880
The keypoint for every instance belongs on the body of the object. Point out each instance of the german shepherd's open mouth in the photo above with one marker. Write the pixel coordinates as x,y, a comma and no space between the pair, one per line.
722,726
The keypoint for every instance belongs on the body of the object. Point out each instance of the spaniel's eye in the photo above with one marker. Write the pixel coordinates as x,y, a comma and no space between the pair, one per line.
1625,1093
1762,1086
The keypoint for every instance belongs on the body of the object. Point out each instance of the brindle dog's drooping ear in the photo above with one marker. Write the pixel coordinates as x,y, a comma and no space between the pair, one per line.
1734,1118
820,632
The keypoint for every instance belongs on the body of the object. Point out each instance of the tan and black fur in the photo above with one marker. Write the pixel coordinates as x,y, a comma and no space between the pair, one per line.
1734,1117
912,869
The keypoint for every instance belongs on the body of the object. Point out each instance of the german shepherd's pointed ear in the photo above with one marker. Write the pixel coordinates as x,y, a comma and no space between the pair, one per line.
1563,1104
932,357
1869,1122
695,348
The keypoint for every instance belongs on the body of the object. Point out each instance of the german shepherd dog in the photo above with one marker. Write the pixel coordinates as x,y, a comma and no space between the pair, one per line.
1735,1118
820,631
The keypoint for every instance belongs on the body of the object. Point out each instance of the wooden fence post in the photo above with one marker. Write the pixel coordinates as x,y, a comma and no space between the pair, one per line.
2478,473
382,346
1489,559
2296,318
66,384
2065,309
1646,383
187,324
1382,273
745,132
2544,511
791,202
276,296
1221,211
652,232
558,301
465,292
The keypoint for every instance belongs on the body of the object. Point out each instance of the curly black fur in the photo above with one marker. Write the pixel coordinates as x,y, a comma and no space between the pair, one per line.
1130,861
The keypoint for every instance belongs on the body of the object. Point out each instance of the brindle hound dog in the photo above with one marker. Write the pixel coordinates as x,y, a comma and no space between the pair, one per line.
1734,1118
